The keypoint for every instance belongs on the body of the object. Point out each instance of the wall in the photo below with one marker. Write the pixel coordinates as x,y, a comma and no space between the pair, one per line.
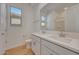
2,27
16,35
51,20
36,20
72,19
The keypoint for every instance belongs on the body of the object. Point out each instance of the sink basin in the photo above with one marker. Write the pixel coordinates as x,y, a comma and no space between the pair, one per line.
63,39
66,40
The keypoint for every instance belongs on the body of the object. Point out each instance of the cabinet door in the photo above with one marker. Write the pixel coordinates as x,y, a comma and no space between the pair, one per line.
46,51
36,44
43,50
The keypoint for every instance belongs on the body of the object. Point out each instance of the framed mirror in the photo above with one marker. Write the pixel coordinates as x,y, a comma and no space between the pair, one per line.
15,16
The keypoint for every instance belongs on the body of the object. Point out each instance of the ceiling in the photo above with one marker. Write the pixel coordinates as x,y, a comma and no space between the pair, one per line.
57,7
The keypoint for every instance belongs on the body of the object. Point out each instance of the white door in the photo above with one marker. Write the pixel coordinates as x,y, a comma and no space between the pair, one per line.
2,27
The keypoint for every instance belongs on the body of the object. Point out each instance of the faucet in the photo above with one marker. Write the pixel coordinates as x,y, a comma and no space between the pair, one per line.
62,34
43,31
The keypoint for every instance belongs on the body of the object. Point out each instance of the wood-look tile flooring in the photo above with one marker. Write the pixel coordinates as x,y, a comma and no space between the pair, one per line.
21,50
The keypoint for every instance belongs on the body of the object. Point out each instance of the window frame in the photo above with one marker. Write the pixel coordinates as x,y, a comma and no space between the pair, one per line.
20,18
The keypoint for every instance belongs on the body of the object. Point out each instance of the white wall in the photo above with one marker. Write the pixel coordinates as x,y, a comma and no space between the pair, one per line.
72,19
36,20
51,20
2,27
18,34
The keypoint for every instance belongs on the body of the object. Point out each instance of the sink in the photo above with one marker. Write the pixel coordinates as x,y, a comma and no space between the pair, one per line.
57,37
63,39
66,40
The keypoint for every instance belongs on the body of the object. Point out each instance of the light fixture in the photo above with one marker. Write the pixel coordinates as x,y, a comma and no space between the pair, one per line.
42,24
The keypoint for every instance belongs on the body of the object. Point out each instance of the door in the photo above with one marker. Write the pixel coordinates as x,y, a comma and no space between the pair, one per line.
2,27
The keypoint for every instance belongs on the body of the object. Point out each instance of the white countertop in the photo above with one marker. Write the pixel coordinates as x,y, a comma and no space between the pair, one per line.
72,44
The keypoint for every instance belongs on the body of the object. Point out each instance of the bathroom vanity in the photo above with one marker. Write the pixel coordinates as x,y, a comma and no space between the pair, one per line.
49,44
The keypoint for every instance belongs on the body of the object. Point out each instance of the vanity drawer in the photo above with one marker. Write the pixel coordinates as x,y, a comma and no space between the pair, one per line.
58,49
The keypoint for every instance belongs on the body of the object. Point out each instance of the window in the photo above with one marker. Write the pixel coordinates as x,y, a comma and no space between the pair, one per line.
43,21
43,18
15,16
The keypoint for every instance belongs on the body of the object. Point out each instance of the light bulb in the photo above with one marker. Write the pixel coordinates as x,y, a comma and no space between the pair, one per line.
42,24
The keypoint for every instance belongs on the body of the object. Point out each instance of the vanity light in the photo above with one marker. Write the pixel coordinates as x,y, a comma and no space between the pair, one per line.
42,24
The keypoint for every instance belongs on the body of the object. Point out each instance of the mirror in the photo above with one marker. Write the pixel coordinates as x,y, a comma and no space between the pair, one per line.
15,16
60,17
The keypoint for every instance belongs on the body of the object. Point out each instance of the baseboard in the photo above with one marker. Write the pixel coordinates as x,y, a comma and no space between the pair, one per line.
17,45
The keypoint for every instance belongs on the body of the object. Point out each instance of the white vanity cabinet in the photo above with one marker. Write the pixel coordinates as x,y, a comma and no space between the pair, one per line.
41,46
36,44
56,49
